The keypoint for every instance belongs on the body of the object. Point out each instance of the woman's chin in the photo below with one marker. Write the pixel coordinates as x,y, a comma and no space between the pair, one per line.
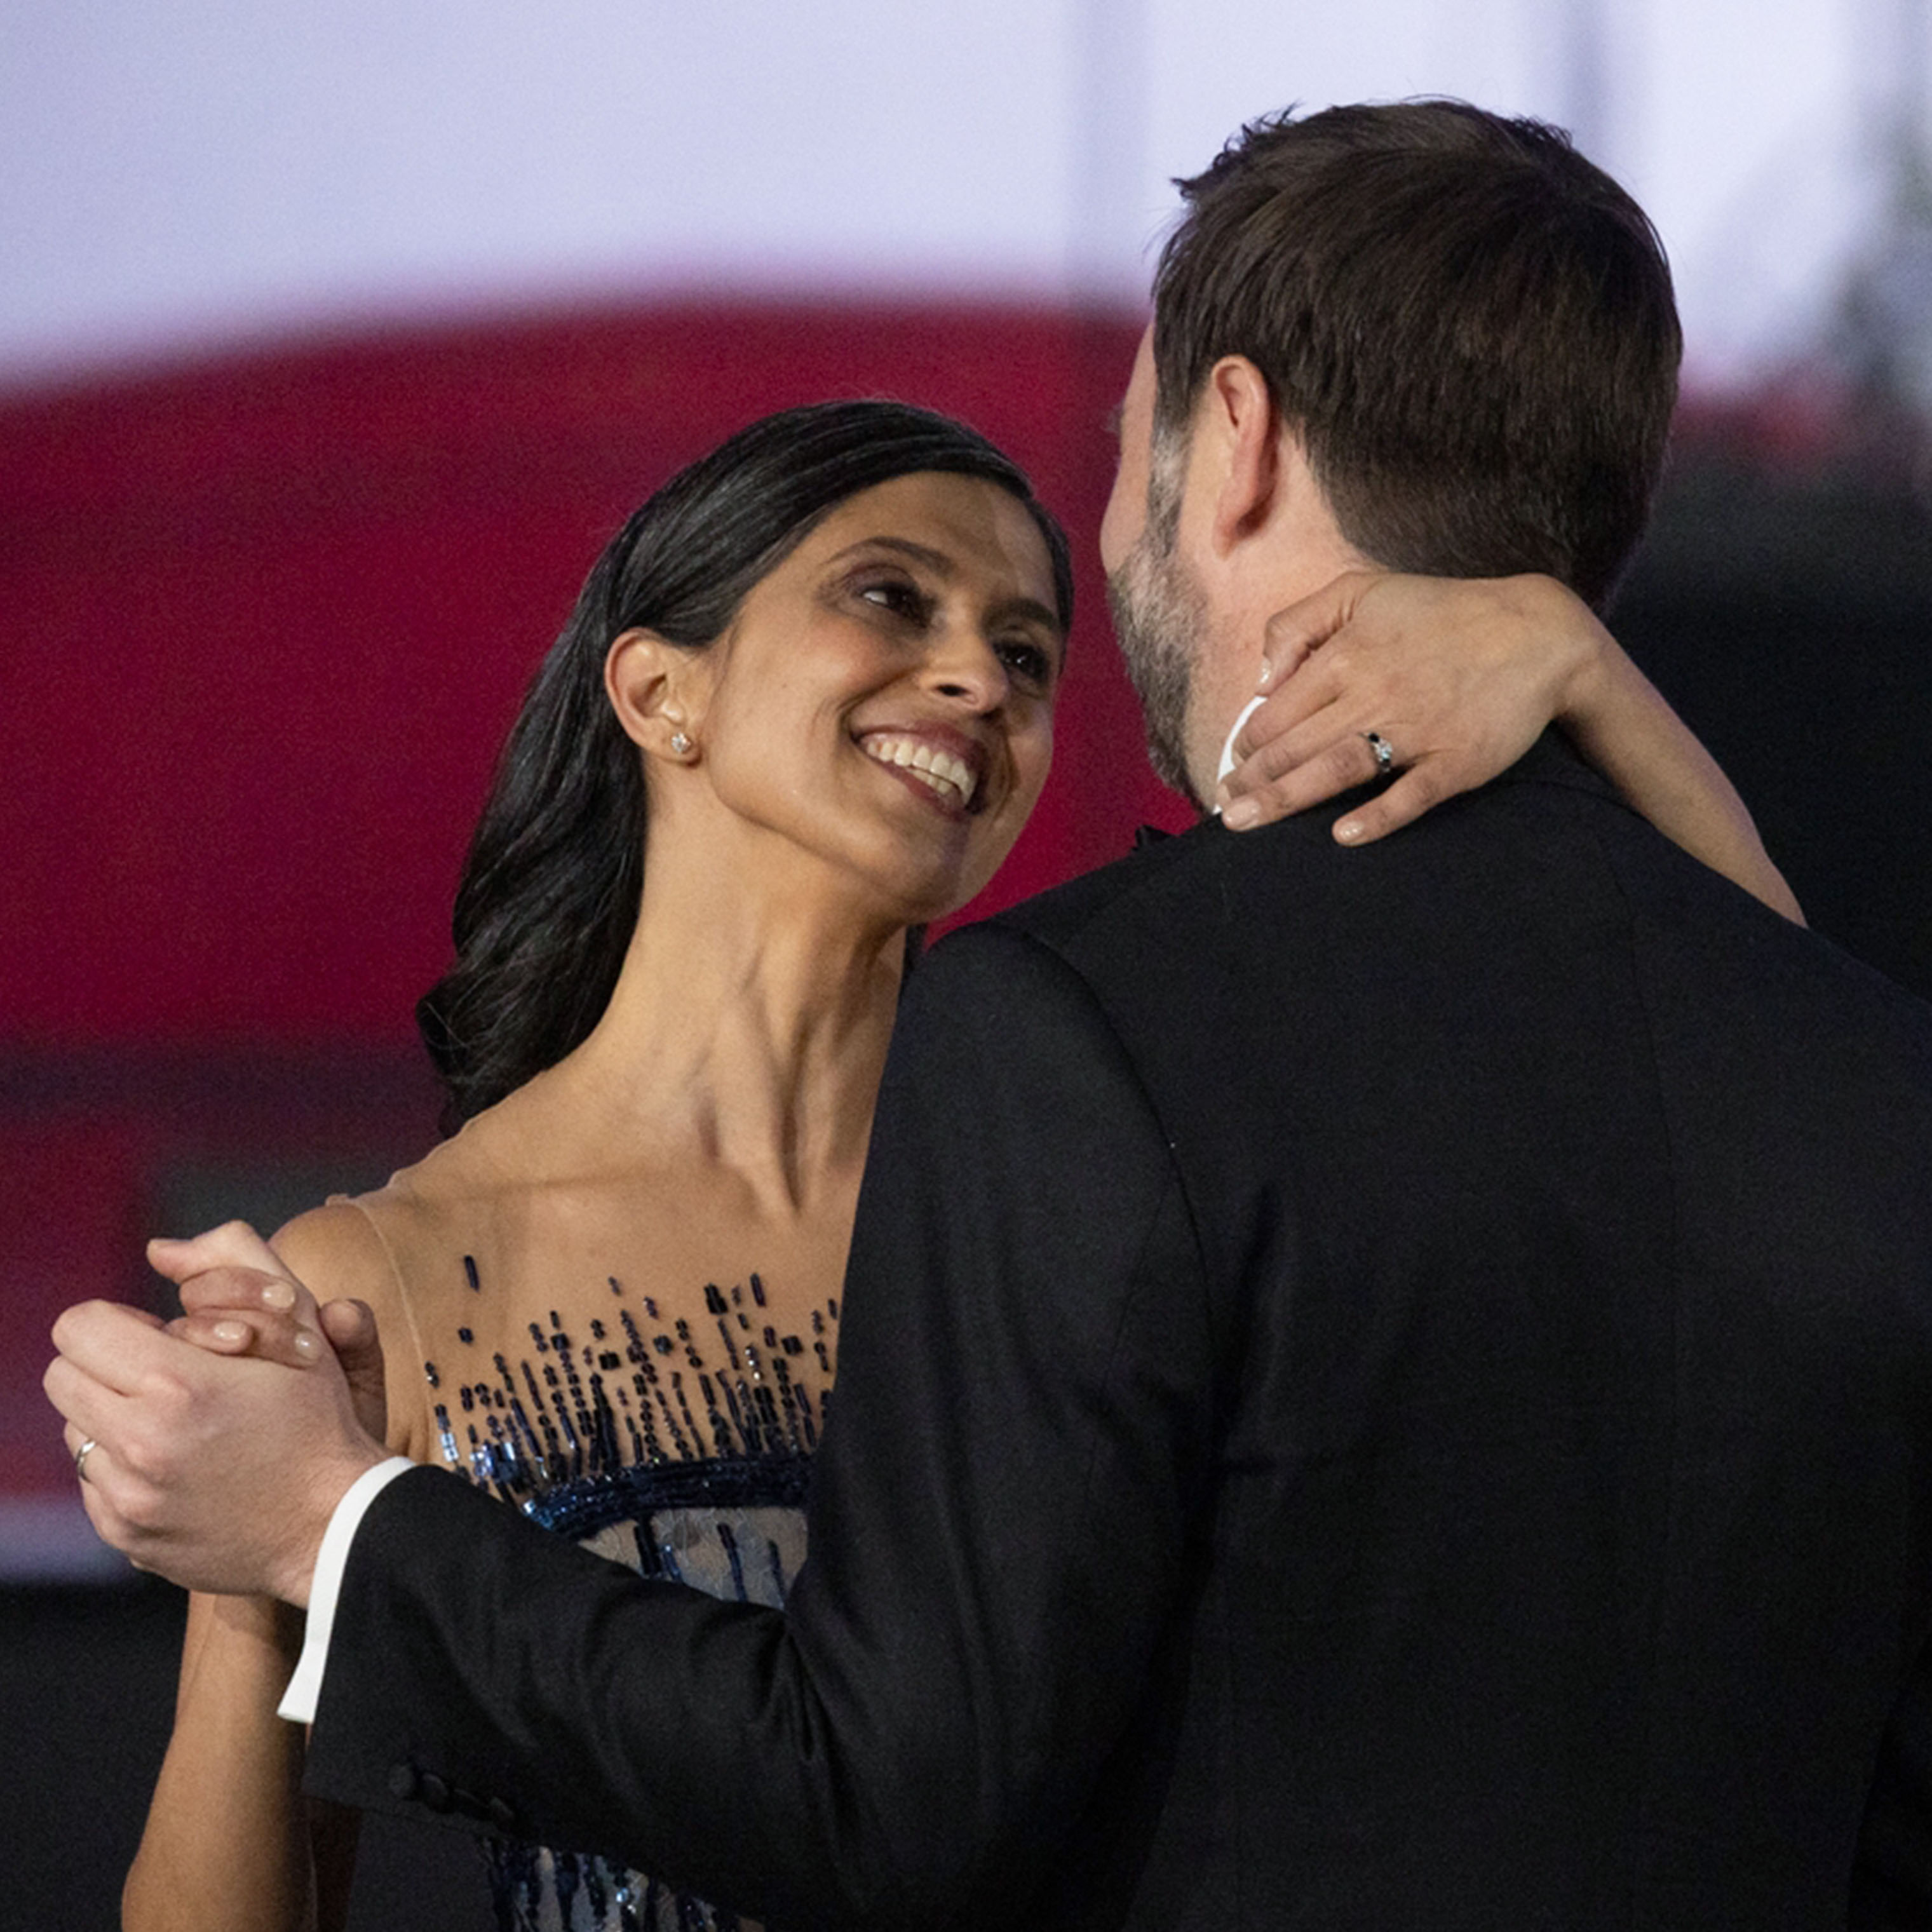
926,901
945,905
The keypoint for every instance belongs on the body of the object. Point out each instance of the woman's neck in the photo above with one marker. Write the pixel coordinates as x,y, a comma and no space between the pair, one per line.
746,1036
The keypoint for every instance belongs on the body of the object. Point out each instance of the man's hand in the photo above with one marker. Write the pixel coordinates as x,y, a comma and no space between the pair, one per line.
1456,676
219,1472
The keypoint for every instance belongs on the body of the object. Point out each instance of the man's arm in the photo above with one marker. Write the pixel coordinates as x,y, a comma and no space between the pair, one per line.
1021,1430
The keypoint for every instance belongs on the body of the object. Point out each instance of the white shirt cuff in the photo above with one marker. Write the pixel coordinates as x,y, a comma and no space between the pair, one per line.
304,1691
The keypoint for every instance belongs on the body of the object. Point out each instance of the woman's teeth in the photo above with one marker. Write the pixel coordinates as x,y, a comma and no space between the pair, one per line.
951,777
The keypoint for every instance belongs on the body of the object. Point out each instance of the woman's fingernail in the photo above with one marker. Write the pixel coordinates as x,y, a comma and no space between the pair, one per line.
230,1331
1240,815
305,1344
1349,831
278,1296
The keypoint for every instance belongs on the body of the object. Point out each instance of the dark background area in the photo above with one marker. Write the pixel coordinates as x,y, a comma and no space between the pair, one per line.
87,1683
1786,610
265,622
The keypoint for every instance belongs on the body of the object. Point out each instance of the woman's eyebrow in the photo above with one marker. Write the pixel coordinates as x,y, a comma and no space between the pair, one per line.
945,567
935,560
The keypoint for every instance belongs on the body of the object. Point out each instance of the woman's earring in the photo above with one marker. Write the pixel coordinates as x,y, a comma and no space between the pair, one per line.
680,744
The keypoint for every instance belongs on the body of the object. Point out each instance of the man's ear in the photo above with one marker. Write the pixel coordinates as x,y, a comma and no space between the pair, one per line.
1243,429
657,691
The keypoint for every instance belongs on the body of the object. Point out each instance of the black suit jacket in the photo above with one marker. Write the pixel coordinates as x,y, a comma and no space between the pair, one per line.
1383,1389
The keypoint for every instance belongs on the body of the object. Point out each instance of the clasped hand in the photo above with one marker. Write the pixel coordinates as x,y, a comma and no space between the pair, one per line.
223,1441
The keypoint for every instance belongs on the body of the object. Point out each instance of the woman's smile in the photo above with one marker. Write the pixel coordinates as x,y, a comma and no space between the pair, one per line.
941,764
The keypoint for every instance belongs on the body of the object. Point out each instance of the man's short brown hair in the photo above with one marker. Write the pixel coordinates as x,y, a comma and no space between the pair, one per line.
1469,325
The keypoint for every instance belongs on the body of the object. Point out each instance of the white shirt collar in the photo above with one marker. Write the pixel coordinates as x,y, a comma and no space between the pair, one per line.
1247,711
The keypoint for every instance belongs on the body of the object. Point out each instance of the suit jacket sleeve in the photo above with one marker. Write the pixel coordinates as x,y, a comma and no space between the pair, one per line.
1022,1427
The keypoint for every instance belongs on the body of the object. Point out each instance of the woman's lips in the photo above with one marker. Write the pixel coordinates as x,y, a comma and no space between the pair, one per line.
944,763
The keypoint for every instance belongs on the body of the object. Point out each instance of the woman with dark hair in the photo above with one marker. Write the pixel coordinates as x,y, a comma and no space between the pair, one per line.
821,663
549,899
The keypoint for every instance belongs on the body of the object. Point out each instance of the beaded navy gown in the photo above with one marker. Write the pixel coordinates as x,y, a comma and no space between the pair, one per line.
679,1447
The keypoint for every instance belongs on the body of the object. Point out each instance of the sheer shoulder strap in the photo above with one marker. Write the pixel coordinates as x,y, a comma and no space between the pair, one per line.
341,1250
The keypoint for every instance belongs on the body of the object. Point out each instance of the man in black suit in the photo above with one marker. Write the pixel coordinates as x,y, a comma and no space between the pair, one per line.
1381,1389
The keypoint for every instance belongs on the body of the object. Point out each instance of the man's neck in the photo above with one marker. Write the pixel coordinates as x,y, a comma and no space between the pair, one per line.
1256,536
1227,675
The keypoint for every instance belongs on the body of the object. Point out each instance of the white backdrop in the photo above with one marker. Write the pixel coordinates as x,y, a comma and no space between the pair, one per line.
177,174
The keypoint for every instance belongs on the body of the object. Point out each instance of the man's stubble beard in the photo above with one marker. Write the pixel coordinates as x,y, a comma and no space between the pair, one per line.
1160,620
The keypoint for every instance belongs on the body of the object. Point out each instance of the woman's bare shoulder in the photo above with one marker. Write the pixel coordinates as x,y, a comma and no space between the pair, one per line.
380,1249
381,1232
373,1246
334,1251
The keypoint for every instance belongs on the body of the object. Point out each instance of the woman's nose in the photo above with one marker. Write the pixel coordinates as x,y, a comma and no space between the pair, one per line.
966,666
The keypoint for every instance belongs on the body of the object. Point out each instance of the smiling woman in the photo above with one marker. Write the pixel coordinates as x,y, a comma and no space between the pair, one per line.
880,709
550,894
805,703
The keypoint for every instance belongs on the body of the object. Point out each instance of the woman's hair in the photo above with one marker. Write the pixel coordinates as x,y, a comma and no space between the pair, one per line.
550,890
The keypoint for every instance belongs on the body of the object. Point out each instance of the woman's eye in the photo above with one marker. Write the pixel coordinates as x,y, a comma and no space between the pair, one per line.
895,594
1031,663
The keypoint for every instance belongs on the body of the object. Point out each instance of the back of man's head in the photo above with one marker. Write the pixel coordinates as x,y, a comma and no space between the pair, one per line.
1470,326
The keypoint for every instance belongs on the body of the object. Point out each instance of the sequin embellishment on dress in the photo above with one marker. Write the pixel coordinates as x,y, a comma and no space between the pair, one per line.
630,1439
